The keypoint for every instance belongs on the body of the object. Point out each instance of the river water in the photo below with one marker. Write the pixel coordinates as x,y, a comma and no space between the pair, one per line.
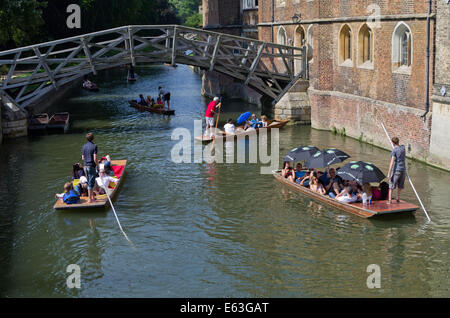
202,230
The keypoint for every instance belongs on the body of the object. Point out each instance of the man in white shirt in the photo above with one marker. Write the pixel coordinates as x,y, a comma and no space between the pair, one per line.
229,127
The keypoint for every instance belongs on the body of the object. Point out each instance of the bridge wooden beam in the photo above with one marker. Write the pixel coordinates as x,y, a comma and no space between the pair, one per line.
45,65
174,46
255,63
88,54
216,50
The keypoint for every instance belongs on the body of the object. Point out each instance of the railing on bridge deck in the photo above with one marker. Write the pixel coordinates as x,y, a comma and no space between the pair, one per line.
269,68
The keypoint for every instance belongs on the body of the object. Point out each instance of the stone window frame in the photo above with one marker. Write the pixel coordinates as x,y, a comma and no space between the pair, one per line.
363,50
345,46
400,30
249,4
280,29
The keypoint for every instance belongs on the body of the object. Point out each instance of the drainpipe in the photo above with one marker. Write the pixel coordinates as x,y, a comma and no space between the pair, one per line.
273,20
427,71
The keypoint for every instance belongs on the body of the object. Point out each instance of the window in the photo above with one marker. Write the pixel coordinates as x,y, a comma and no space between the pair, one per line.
281,37
345,45
299,37
406,49
402,46
365,45
250,4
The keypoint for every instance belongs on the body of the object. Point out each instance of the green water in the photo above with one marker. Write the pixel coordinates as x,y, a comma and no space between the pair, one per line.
202,230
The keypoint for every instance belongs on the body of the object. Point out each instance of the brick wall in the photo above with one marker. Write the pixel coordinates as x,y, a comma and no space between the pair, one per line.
347,95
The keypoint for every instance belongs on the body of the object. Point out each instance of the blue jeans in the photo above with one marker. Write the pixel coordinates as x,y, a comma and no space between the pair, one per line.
91,173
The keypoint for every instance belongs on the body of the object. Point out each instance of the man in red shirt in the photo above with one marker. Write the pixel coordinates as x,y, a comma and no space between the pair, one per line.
209,114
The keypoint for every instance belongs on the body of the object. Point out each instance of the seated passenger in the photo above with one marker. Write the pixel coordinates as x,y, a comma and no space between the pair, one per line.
299,173
229,127
287,171
69,196
346,195
251,122
316,186
141,100
367,189
263,121
103,181
82,187
306,179
380,192
105,163
332,184
150,101
77,171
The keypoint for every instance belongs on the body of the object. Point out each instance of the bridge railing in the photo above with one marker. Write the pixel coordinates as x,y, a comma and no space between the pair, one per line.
37,69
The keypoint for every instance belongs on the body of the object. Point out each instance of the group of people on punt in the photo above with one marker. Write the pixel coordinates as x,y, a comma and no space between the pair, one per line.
328,183
90,180
251,124
213,108
163,98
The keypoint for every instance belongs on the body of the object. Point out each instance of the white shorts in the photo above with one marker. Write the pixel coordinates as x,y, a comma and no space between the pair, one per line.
210,121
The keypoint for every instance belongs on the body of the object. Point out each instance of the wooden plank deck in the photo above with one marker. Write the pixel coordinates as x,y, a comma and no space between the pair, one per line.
102,200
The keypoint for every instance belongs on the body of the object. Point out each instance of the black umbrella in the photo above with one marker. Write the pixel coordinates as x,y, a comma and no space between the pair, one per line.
325,158
301,153
360,171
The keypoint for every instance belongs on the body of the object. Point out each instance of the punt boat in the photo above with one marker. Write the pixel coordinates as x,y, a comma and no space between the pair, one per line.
376,208
101,200
157,108
92,89
222,135
59,121
38,123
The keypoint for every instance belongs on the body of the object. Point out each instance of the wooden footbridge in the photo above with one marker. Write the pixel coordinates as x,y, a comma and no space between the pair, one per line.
35,70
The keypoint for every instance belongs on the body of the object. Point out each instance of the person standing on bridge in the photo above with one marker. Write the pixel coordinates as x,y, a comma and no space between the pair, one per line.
165,96
209,115
89,155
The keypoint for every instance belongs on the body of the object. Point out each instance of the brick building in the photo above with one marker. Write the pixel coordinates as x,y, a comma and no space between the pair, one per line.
370,61
236,17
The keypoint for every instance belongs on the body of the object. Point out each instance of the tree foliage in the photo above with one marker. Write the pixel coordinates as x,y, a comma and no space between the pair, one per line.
20,21
25,22
187,11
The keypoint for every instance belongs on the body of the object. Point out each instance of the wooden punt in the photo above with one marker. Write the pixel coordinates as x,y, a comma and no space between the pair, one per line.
38,123
222,135
102,200
92,89
156,110
376,208
59,121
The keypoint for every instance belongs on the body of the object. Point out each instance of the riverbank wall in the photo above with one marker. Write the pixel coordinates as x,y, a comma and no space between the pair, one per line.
14,120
